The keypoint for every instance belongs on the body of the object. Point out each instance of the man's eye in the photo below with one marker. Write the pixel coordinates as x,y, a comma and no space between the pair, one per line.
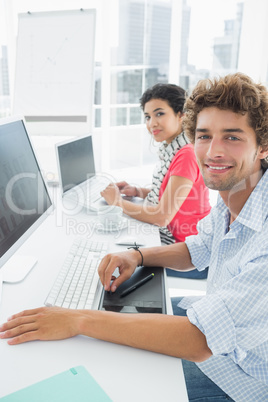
202,137
232,138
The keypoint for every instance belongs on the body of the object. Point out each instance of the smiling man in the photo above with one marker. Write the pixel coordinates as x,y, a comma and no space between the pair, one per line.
228,154
226,148
223,336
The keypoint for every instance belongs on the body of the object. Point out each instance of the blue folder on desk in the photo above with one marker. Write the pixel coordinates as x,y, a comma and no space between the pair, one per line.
72,385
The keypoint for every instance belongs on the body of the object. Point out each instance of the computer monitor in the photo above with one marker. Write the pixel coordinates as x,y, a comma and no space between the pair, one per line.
75,159
24,199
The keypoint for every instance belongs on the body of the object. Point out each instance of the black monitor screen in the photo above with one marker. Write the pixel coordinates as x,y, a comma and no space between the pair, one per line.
23,194
76,162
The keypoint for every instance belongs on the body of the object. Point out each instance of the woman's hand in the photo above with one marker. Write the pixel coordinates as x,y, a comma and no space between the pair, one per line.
125,188
44,323
111,194
126,262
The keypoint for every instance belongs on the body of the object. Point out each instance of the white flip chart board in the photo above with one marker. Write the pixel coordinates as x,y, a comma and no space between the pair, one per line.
54,77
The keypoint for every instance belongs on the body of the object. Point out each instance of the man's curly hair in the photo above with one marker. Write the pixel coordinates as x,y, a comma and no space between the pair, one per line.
236,92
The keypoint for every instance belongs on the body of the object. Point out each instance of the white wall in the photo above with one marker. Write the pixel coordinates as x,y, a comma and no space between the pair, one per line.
253,55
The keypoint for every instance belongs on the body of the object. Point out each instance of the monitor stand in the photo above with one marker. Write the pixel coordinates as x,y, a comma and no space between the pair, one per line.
17,268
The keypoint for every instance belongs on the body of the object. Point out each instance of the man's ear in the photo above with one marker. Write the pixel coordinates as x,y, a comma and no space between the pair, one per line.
263,153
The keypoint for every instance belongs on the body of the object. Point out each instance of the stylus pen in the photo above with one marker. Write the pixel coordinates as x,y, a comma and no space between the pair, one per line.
137,285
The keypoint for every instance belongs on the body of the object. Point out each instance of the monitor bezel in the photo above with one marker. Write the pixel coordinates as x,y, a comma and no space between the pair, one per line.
19,242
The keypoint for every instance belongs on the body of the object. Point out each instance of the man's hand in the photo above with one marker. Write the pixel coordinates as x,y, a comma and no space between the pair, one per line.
126,262
44,323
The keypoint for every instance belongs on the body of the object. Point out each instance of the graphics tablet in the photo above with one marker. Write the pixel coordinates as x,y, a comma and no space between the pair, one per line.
148,298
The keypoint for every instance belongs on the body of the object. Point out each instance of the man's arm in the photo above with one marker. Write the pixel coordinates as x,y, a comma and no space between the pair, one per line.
170,335
174,256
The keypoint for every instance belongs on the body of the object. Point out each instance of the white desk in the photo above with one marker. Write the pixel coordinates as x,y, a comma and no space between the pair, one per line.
126,374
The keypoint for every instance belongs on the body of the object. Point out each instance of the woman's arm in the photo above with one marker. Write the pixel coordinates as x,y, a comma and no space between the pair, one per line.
161,214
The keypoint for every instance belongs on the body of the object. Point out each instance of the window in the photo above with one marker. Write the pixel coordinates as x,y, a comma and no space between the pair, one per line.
141,42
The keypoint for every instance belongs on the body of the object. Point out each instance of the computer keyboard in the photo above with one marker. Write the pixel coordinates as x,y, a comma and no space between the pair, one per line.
91,193
94,194
77,281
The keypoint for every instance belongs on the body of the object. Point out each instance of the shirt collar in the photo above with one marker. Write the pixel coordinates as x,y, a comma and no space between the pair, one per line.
255,211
